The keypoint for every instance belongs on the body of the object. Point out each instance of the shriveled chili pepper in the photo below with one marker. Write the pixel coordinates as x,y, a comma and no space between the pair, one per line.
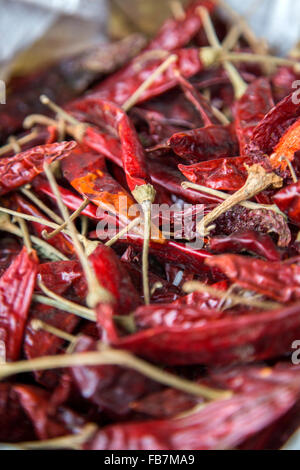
16,288
12,415
244,338
288,145
250,109
60,276
220,425
38,343
47,420
70,199
176,33
64,80
288,201
87,173
274,125
113,276
207,143
120,88
279,281
9,249
227,174
102,385
24,167
250,241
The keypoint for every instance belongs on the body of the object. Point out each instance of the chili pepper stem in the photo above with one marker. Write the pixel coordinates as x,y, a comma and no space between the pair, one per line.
73,441
138,93
30,195
22,141
96,293
177,10
260,58
66,306
247,204
75,128
254,42
39,325
25,233
195,286
74,216
122,232
239,85
258,180
145,195
108,356
291,168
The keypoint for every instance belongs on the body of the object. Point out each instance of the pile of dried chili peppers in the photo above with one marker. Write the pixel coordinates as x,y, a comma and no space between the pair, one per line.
123,327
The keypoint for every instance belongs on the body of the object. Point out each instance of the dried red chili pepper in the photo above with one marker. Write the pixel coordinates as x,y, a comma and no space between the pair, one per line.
244,338
87,173
9,249
276,280
48,421
16,288
274,125
219,425
65,80
112,275
38,343
250,241
176,33
120,88
207,143
288,145
288,201
227,174
60,276
103,385
24,167
70,199
15,426
250,109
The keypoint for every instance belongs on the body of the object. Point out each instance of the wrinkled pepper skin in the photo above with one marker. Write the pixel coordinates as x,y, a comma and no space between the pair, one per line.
207,143
225,174
244,339
250,109
288,201
279,281
16,289
220,425
24,167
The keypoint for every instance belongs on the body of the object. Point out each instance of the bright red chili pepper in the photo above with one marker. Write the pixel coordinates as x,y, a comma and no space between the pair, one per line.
24,167
16,289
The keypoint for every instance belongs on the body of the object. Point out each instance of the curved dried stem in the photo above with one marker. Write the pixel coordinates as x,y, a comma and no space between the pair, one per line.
291,168
39,325
147,83
195,286
145,195
37,201
25,233
239,85
73,217
177,10
122,232
72,442
109,356
258,180
260,59
22,141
